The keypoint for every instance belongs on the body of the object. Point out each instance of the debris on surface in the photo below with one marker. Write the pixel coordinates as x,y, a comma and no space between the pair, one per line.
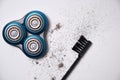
60,65
61,38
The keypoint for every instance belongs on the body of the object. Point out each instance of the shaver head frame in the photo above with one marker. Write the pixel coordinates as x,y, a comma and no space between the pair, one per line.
32,25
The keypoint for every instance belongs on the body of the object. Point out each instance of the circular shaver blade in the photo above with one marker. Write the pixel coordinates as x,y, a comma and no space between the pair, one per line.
35,22
14,33
34,46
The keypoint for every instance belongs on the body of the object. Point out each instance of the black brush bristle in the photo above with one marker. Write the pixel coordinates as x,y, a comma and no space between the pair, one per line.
82,45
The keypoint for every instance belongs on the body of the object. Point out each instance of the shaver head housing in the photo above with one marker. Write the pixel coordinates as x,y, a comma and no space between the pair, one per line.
14,33
35,22
28,34
34,46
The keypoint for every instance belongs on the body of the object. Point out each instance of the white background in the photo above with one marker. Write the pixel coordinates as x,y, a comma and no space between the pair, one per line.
102,61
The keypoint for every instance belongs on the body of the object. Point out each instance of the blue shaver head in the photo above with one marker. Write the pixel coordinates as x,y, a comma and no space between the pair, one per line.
28,34
14,33
34,46
35,22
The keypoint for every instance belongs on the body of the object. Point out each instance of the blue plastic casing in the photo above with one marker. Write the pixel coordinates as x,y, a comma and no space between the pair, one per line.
41,53
20,26
44,22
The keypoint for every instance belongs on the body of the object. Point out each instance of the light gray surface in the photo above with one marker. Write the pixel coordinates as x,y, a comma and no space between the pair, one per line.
98,20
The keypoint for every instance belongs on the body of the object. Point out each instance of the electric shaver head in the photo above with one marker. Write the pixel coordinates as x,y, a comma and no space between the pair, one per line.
34,46
14,33
29,33
35,22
